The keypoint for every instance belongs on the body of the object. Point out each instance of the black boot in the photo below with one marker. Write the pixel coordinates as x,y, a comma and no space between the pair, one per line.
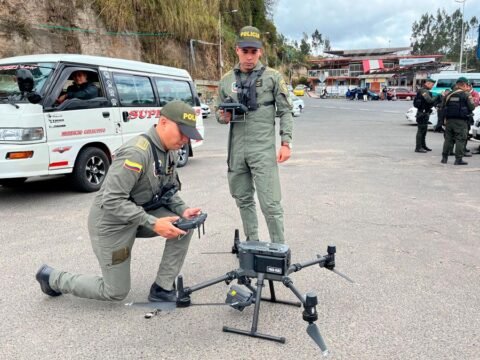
420,150
460,162
427,148
444,159
159,294
43,277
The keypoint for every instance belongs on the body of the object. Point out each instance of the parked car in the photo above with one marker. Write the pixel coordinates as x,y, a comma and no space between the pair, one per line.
402,93
411,113
298,105
352,94
299,90
205,110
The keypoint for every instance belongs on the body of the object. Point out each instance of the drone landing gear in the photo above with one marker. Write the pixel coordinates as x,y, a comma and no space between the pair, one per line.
258,298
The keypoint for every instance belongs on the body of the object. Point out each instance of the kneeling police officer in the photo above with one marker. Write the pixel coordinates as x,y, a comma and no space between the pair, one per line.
137,199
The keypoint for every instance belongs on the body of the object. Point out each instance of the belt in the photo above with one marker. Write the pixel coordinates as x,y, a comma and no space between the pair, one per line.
267,103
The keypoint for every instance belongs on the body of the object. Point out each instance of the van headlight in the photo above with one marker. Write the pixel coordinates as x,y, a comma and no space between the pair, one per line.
21,134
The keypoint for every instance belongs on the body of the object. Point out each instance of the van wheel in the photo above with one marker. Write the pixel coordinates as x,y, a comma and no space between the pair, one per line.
90,170
13,182
183,156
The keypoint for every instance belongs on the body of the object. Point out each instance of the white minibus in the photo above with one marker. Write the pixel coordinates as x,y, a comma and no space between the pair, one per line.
41,136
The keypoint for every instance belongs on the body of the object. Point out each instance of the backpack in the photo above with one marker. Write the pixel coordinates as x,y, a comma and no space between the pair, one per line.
418,101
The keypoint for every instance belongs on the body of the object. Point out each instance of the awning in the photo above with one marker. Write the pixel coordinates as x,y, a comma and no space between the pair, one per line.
371,65
374,76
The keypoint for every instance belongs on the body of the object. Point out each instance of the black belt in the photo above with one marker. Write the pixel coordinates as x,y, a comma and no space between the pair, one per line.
267,103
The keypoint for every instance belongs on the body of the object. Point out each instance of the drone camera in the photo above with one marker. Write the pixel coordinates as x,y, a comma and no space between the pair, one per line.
239,298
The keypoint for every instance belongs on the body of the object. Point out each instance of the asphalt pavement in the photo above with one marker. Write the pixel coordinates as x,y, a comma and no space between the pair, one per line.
405,226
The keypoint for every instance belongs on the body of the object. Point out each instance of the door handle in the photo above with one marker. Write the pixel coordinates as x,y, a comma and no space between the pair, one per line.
125,116
106,114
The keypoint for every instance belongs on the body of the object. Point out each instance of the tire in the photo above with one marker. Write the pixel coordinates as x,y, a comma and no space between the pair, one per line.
13,182
90,170
183,156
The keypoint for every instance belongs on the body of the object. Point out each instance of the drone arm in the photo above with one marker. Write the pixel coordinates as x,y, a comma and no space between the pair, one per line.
289,284
321,260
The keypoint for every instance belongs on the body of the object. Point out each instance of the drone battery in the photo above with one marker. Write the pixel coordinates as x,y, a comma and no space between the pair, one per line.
262,257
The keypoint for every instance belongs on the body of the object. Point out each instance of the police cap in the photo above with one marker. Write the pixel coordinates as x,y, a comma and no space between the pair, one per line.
462,79
184,115
429,79
249,36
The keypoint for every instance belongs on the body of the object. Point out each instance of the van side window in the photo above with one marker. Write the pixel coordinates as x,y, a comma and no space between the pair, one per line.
134,90
81,84
169,90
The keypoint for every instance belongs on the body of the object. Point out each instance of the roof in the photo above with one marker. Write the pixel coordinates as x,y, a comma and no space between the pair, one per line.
366,52
98,61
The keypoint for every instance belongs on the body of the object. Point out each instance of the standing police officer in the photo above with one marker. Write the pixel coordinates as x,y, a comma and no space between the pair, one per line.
137,199
252,163
458,107
427,101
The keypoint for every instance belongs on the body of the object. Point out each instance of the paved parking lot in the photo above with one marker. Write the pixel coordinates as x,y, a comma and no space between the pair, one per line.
405,226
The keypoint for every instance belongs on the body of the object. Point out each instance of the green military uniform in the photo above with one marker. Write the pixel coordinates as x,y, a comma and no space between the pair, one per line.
116,219
251,150
458,106
422,117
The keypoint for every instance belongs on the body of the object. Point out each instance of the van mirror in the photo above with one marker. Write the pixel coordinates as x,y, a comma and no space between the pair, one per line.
25,80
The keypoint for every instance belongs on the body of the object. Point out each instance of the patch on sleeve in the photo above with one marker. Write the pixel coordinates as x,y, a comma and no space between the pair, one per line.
142,143
131,165
283,86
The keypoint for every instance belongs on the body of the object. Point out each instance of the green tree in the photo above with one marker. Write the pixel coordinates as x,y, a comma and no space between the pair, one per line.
317,40
441,34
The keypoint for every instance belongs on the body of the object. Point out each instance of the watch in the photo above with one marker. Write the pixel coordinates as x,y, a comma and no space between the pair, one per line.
287,144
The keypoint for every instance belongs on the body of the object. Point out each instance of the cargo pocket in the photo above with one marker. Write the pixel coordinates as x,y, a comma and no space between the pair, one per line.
119,256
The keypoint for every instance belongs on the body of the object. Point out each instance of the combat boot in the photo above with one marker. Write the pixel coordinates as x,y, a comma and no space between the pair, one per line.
460,162
420,150
444,159
159,294
427,148
43,277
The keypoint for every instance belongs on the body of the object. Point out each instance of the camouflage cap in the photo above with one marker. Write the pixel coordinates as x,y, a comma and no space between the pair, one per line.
429,79
462,79
249,36
184,115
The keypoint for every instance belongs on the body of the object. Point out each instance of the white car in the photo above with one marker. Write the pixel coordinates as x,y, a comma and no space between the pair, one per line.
432,121
298,105
205,110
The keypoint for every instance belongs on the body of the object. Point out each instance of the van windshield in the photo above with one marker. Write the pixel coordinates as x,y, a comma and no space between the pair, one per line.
445,83
8,80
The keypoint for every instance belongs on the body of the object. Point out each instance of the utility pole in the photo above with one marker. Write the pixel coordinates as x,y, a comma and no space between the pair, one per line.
463,33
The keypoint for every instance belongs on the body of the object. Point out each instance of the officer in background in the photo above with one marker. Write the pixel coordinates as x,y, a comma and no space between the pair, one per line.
252,162
80,89
423,114
137,199
458,107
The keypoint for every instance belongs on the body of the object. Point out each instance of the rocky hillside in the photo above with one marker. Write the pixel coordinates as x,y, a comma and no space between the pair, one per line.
130,29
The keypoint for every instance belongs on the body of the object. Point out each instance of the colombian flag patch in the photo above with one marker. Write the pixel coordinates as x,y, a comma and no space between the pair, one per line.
131,165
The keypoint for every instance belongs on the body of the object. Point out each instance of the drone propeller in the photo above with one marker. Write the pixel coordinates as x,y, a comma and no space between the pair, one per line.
314,333
166,306
342,275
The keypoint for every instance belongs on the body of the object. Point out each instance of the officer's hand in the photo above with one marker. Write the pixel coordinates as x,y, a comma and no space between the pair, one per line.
226,116
164,227
283,154
191,212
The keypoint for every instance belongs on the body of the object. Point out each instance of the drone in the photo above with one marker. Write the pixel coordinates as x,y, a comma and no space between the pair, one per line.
262,261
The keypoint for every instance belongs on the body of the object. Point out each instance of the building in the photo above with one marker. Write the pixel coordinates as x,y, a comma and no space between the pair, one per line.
372,68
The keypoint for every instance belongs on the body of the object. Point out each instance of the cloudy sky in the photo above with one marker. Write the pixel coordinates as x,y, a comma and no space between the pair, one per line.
360,24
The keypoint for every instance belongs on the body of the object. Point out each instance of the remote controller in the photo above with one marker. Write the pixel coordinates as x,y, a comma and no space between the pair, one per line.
187,224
